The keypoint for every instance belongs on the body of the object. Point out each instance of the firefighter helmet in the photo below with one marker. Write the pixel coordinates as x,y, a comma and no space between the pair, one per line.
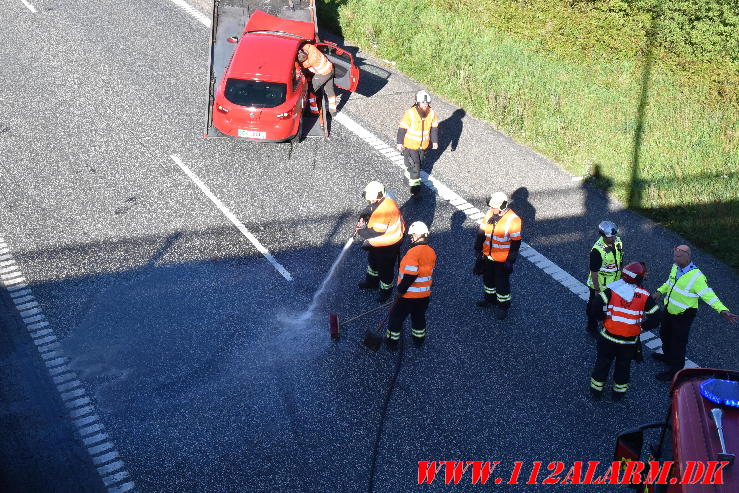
498,200
423,97
634,272
374,190
607,229
418,228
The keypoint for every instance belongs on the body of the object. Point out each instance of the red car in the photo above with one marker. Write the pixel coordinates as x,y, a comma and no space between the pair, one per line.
263,92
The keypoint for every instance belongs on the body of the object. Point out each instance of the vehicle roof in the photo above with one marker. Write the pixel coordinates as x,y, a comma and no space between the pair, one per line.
694,435
265,57
262,21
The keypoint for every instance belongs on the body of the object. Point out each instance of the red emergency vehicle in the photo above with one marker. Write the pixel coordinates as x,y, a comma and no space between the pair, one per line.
701,430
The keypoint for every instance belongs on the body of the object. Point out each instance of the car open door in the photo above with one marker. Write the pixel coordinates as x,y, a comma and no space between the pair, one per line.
346,74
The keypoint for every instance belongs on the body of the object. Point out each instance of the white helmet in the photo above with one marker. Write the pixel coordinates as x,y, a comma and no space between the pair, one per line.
418,228
374,190
423,97
607,229
498,200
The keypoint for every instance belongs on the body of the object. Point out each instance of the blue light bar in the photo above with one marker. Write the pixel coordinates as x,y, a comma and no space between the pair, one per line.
721,392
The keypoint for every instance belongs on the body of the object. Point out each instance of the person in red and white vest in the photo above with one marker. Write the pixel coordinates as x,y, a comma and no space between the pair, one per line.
628,307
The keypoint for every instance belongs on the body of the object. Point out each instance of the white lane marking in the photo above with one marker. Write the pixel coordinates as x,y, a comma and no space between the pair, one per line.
560,275
461,204
239,225
30,7
203,19
72,392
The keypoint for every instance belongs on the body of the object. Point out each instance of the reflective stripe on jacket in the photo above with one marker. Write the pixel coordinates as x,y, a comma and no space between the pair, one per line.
386,220
418,130
624,318
611,263
419,261
684,293
500,234
316,62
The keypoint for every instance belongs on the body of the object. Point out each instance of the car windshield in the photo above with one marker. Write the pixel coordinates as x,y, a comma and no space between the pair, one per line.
255,94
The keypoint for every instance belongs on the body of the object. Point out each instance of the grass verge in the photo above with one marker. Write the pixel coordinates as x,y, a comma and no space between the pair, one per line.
582,89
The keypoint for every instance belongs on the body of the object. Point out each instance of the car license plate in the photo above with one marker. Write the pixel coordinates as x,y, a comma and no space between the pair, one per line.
252,134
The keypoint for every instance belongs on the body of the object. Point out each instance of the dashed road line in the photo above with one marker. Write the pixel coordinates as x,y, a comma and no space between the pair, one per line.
202,18
226,212
29,6
445,193
75,397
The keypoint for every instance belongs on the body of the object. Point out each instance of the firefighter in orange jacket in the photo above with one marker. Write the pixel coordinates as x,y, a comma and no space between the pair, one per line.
311,59
414,287
627,305
380,230
419,127
497,243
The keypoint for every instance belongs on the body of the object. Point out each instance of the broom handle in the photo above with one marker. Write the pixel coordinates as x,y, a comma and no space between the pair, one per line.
384,320
366,313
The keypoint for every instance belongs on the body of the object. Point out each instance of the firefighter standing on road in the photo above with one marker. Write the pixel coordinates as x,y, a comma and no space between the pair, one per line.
318,64
497,243
683,287
380,229
414,287
418,127
606,260
628,304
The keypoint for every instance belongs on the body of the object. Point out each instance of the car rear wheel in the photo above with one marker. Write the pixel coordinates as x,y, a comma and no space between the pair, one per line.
295,139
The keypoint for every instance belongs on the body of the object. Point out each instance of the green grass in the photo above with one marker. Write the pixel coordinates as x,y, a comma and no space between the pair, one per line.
578,84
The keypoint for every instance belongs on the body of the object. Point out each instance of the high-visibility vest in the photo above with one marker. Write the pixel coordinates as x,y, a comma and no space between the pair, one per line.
420,261
684,293
624,318
500,234
316,62
611,263
386,219
418,130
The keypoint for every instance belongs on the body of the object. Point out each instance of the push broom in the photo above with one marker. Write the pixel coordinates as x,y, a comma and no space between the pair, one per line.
334,323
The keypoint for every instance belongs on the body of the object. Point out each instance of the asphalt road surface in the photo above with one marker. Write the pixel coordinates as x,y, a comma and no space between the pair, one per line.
148,344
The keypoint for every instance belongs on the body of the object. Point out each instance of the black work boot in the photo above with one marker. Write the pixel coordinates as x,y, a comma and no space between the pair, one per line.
660,357
391,344
486,302
501,313
418,341
617,396
370,282
384,295
596,395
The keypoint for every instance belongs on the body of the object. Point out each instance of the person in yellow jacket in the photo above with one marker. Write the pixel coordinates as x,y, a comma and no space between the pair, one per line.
418,128
322,70
497,243
605,262
414,288
682,289
380,229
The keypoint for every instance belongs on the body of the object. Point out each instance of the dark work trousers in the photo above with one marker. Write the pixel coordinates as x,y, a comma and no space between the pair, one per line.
594,310
413,162
674,333
323,81
497,283
382,260
416,308
606,353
